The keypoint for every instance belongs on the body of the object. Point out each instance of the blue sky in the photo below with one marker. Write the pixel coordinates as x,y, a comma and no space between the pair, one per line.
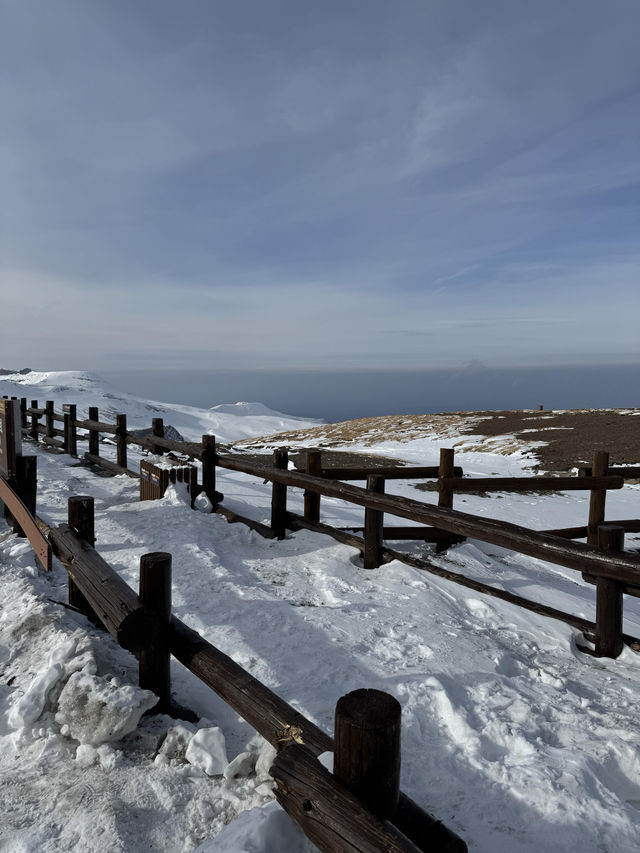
319,184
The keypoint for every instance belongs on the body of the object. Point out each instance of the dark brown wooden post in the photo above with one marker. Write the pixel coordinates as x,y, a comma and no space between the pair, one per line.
598,497
71,431
155,594
313,465
445,492
23,412
609,598
208,457
81,518
157,428
121,440
279,495
445,469
25,484
34,421
367,749
94,435
373,526
48,414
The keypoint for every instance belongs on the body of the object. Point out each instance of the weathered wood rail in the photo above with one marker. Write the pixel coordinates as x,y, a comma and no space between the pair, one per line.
440,524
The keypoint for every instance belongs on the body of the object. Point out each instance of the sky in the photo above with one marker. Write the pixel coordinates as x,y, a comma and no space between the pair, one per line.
261,184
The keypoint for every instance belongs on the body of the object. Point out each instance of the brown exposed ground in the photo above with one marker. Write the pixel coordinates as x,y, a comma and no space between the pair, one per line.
570,437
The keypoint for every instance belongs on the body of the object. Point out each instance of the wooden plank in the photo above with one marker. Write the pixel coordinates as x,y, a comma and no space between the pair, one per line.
114,602
534,484
414,472
326,811
553,549
233,518
629,472
299,522
53,442
568,532
97,426
108,465
424,534
28,523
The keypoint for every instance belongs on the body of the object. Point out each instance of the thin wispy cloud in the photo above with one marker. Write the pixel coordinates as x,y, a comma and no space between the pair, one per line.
289,181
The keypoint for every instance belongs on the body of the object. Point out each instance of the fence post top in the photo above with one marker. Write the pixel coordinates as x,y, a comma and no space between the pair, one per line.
368,706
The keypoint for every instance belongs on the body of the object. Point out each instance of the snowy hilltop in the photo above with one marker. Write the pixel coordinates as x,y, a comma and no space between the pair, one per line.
228,421
511,735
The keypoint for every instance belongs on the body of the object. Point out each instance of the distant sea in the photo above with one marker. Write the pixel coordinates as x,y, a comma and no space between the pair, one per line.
341,395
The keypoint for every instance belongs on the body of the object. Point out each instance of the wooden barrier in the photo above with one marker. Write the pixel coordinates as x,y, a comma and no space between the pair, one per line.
442,524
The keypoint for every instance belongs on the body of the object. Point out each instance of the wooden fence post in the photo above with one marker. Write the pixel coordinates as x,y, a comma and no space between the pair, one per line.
445,492
279,495
313,465
70,430
121,440
208,457
597,497
48,414
34,421
94,435
157,428
81,518
155,594
608,638
367,749
373,526
25,484
23,412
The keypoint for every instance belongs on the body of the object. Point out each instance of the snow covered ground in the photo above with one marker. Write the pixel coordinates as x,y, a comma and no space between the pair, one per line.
511,735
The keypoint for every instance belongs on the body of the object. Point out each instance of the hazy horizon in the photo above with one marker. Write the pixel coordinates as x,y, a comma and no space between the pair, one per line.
347,394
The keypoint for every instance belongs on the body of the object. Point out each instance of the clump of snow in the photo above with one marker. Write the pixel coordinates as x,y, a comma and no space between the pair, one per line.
94,710
207,750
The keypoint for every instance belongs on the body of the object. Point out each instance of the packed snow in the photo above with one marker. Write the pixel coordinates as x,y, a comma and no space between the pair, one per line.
511,735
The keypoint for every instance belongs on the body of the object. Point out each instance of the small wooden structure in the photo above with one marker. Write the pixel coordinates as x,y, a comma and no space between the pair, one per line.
155,479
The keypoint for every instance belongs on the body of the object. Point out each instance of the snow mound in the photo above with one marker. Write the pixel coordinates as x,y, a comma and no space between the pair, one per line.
95,710
207,750
260,830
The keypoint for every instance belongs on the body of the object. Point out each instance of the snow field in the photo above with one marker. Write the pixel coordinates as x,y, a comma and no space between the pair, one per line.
511,735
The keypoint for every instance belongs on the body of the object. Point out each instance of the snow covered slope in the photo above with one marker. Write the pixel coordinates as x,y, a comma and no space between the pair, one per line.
511,735
228,421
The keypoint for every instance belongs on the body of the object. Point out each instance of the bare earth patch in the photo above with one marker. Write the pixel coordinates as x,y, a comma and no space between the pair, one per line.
558,440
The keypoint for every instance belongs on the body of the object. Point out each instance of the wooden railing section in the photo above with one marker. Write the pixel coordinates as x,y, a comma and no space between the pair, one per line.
341,810
598,559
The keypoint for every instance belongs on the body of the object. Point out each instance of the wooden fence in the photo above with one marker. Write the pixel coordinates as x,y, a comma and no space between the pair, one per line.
601,560
358,808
